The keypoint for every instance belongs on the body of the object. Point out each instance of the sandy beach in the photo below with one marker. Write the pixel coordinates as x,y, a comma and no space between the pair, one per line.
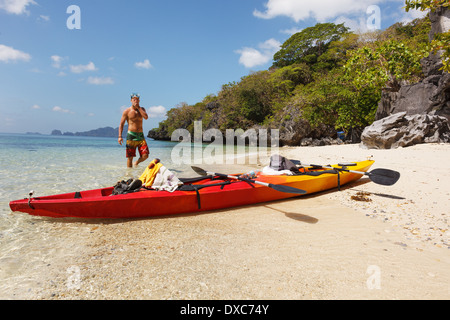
396,245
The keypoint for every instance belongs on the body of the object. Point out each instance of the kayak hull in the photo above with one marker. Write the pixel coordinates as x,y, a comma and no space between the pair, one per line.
100,204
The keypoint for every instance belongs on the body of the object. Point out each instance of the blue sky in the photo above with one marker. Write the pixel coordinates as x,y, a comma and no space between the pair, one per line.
171,51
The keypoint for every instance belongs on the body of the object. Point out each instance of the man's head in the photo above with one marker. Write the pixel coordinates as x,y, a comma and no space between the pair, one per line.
135,99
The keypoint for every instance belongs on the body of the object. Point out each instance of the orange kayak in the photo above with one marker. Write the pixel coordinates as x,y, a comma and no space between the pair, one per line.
210,194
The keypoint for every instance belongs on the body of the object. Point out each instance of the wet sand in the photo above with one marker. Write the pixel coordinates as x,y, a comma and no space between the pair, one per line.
323,246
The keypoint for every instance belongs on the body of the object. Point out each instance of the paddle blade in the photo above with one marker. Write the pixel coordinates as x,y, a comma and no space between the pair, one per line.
286,189
199,171
384,177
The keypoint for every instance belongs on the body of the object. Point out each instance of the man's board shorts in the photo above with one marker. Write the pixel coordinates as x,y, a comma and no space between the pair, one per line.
136,140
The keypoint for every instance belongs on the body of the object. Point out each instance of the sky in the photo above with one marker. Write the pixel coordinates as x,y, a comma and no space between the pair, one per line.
72,65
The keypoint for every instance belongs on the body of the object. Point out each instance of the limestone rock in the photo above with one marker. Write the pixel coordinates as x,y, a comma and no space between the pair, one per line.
401,130
440,21
432,93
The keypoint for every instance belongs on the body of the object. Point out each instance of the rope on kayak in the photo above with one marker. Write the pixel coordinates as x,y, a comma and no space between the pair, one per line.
339,180
197,187
318,173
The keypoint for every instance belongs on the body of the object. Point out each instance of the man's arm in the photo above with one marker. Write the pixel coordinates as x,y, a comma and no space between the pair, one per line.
143,113
122,123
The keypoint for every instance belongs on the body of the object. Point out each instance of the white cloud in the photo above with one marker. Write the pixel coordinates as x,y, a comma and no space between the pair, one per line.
35,107
291,31
143,65
44,18
156,112
57,60
8,54
321,10
16,6
355,25
59,109
100,80
251,57
82,68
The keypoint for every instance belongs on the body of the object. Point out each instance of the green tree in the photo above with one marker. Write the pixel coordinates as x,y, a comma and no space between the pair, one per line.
335,101
387,64
255,96
284,80
309,44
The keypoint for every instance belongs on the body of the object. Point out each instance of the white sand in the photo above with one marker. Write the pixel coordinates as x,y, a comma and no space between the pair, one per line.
324,246
418,204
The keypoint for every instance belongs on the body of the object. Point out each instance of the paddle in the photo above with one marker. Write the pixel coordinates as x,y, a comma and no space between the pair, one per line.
277,187
384,177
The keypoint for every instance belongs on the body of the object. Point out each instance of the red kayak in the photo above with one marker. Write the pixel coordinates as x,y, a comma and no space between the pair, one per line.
206,194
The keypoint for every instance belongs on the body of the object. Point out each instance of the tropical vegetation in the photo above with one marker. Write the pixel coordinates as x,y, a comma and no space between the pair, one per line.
325,75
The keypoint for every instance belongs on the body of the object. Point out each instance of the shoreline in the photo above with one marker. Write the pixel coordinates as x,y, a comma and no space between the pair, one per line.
320,246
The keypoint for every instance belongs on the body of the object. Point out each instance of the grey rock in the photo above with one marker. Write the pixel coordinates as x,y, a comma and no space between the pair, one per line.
432,93
440,21
401,130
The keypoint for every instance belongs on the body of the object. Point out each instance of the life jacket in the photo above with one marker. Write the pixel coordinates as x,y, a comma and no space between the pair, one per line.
150,172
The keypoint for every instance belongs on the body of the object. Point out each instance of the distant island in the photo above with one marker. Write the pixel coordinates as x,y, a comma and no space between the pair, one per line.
107,132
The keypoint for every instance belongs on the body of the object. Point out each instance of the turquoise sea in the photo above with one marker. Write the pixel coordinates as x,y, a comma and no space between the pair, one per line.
52,165
56,164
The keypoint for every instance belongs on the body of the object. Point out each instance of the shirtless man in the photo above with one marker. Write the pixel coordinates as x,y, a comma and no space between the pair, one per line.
135,136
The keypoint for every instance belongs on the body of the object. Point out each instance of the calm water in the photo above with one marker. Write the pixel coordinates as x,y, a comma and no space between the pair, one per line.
52,165
56,164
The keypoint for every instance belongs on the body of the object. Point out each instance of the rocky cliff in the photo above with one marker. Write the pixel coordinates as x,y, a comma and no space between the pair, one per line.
432,94
419,112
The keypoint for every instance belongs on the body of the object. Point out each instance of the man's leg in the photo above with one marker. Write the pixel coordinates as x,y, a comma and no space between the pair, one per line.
141,159
130,153
130,162
143,153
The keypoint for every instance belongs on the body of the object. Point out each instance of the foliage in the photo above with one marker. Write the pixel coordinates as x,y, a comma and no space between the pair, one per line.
309,44
335,101
425,4
255,97
412,33
387,64
441,41
323,74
